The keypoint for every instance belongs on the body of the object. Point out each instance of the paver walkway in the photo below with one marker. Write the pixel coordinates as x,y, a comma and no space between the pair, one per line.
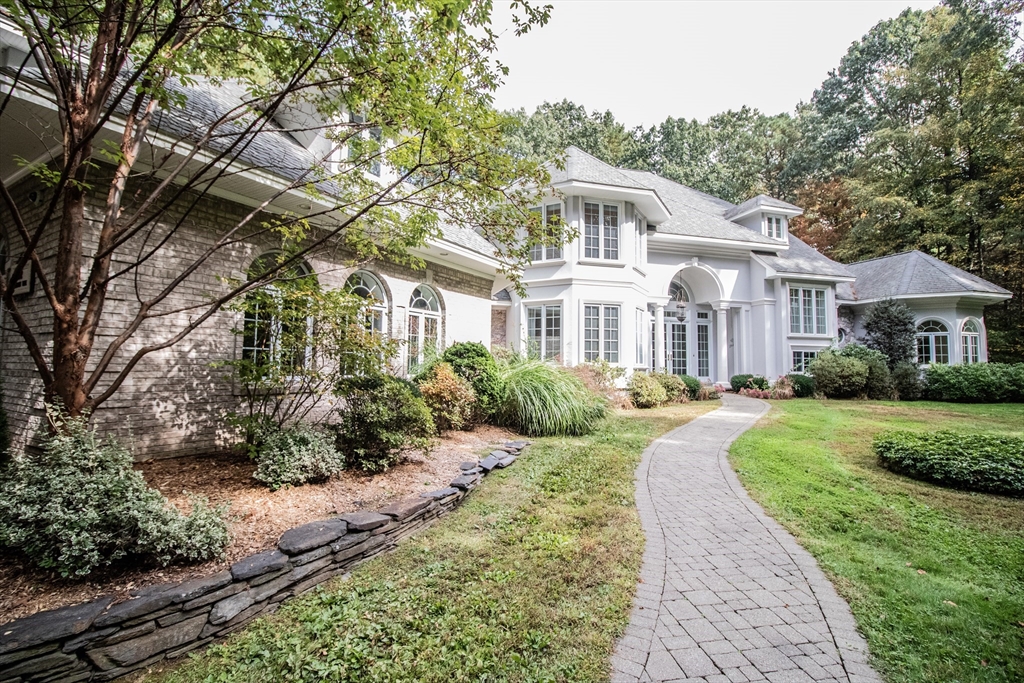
726,594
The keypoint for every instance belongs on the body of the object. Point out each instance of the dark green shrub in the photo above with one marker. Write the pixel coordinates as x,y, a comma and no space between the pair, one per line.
645,391
675,388
450,398
378,418
79,505
890,329
838,376
474,363
879,383
693,386
542,399
906,381
738,382
803,385
976,383
976,462
296,455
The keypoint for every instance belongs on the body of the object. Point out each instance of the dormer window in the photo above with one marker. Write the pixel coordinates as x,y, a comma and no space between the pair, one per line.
774,227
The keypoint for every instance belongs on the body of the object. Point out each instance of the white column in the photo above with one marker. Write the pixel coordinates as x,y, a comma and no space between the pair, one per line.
659,337
723,344
744,340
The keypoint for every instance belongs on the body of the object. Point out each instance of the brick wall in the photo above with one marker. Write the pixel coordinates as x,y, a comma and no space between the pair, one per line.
175,400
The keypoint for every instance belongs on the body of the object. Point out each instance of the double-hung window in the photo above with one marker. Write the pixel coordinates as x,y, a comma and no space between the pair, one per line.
552,214
544,331
601,231
971,342
601,333
773,227
807,311
801,359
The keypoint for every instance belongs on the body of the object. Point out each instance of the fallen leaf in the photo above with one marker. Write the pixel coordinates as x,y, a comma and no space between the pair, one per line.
949,602
910,564
984,662
921,571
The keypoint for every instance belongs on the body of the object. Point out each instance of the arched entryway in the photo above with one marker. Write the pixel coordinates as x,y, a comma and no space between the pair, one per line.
685,330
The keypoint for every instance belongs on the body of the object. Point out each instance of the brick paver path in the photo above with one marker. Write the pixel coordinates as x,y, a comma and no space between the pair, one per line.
726,594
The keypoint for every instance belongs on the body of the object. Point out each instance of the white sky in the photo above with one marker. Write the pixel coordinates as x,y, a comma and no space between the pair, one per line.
646,60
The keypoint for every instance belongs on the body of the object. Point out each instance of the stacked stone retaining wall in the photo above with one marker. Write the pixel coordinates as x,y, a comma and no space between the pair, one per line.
102,640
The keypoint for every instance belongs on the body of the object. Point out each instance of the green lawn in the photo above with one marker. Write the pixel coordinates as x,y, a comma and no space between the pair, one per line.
935,577
530,580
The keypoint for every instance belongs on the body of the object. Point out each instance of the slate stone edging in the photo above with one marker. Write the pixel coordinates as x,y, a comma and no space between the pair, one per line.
101,640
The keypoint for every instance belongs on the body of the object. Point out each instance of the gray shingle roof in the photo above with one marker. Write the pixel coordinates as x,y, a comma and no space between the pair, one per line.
910,273
759,202
804,259
589,169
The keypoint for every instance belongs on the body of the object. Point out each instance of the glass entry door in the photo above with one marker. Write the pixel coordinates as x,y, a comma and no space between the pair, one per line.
676,334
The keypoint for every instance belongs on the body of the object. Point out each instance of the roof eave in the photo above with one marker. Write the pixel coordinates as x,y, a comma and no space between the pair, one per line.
645,198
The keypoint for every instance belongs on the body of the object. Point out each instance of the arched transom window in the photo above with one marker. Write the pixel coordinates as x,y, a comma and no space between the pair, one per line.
365,284
278,327
970,341
424,327
932,342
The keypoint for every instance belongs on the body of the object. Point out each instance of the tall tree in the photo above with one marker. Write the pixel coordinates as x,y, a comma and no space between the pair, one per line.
419,74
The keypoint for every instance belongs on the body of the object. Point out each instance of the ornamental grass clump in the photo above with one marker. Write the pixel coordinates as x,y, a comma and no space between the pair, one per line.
79,505
542,399
976,462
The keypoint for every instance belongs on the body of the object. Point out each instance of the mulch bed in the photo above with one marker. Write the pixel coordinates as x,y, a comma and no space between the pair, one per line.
257,516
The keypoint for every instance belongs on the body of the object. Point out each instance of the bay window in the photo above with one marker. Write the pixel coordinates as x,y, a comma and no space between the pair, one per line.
970,340
807,311
601,333
932,342
601,231
552,217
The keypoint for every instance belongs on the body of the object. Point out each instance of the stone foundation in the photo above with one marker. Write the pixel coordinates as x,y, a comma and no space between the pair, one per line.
101,640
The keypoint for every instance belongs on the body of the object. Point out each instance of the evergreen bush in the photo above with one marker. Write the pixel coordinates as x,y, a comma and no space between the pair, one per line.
838,376
890,329
879,383
296,455
976,383
803,385
675,388
79,505
738,382
646,391
976,462
474,363
695,388
379,416
906,381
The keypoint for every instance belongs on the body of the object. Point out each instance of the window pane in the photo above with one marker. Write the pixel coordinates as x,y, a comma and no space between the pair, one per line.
924,351
591,332
552,332
798,361
808,311
413,337
611,334
611,232
554,215
592,230
537,250
429,338
794,310
941,348
534,330
703,351
819,311
975,354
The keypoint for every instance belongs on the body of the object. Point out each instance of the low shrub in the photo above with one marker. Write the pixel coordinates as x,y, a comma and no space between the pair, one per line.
978,462
739,382
879,385
803,385
296,455
783,389
79,505
708,393
694,387
976,383
542,399
599,377
379,416
753,392
451,398
906,382
675,387
759,382
838,376
646,391
474,363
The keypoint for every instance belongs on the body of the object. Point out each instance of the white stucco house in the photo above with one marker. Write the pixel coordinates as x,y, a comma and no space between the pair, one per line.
665,277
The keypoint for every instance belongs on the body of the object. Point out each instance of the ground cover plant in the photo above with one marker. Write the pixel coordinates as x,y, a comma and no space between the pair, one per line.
530,580
78,505
935,577
963,460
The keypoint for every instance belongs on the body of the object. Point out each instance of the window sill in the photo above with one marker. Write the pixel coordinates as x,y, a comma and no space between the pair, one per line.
802,335
601,262
552,262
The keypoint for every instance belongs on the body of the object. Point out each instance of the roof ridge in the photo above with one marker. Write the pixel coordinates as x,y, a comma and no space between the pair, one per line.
879,258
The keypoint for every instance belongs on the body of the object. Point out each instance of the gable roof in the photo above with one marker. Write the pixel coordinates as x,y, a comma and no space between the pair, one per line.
912,273
761,201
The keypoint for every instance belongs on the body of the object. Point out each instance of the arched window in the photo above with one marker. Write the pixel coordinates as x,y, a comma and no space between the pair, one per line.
278,327
932,342
424,326
970,342
365,284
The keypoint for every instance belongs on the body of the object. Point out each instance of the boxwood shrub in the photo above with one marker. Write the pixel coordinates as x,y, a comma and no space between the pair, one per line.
803,385
693,386
976,383
977,462
475,364
739,382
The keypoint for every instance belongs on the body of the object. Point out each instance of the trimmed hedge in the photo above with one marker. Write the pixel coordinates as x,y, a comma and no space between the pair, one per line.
803,385
976,383
739,382
977,462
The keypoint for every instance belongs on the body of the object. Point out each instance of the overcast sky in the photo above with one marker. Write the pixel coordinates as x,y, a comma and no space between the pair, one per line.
646,60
